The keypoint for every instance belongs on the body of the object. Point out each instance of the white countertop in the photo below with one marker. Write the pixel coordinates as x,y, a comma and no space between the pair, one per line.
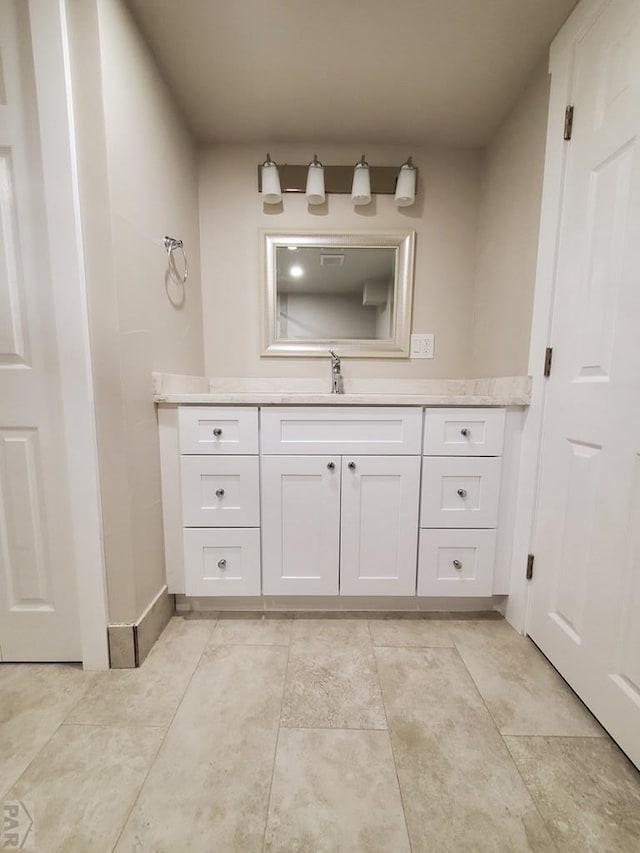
172,389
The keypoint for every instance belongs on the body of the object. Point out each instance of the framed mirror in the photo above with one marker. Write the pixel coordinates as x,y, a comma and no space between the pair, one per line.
348,291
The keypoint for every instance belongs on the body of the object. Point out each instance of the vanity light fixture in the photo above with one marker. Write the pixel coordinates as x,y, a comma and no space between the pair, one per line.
361,186
271,192
406,187
296,272
315,182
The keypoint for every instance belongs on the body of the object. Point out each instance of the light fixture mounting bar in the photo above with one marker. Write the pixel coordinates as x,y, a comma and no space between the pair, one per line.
337,179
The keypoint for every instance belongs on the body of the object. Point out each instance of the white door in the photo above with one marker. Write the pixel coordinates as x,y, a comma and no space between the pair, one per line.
379,533
585,593
300,524
38,603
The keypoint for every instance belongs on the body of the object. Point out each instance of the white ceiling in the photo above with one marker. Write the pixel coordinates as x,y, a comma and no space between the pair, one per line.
344,71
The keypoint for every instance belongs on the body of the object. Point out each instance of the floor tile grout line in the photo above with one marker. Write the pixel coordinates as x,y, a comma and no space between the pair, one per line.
333,728
411,646
253,645
133,726
164,737
275,751
393,753
560,737
511,758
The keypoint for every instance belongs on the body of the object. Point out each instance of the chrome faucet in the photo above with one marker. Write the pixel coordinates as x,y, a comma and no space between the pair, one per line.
336,376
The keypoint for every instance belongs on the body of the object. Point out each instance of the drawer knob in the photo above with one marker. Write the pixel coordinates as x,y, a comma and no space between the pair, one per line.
457,564
462,493
217,432
352,465
220,493
222,564
331,465
464,431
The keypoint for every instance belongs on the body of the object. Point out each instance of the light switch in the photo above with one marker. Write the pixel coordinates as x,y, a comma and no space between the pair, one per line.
422,346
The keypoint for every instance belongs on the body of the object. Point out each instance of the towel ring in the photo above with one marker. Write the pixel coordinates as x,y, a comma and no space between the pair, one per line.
171,244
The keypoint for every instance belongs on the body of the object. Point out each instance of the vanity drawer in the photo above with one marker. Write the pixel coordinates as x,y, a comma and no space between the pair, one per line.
460,492
216,431
220,491
463,432
362,431
456,562
222,562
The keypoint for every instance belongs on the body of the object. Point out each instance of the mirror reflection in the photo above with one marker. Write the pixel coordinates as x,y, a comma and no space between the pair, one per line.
344,290
329,292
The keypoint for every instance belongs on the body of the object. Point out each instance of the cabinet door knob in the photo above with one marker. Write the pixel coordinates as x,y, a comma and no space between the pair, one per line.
352,465
220,493
331,465
457,564
462,493
222,564
464,431
217,432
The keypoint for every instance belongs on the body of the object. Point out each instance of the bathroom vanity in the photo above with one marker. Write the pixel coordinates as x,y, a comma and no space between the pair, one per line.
269,501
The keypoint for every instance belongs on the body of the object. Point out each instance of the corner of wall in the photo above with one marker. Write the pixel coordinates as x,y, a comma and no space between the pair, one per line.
507,240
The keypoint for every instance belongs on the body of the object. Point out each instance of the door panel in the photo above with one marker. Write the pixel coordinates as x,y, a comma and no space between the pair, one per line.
585,594
379,542
300,525
26,557
38,600
13,332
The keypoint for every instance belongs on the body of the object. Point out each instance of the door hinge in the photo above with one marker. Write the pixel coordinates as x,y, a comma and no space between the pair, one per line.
568,123
530,559
548,355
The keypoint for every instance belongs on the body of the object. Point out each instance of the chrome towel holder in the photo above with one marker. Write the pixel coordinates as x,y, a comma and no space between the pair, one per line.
171,244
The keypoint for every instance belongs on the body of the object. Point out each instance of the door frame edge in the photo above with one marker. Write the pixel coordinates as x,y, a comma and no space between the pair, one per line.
52,70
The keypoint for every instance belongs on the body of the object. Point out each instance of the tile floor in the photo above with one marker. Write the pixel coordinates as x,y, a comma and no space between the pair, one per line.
304,735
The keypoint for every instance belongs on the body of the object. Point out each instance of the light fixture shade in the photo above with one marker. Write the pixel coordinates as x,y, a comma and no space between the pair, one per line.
271,192
406,185
315,183
361,186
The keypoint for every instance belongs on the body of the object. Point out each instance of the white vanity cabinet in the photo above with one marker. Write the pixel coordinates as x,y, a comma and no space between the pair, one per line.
345,522
335,501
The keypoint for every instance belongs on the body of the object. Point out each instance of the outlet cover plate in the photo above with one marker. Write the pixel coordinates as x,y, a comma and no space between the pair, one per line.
422,346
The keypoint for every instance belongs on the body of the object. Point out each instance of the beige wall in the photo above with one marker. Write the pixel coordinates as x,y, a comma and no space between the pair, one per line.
508,222
138,176
231,213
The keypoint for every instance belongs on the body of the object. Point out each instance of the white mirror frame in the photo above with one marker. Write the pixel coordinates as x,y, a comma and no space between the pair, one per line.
397,346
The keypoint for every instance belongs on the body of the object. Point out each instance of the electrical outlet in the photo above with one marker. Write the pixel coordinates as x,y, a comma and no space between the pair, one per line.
422,346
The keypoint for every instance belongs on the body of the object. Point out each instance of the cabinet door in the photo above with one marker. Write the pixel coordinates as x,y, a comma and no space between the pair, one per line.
379,530
300,525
